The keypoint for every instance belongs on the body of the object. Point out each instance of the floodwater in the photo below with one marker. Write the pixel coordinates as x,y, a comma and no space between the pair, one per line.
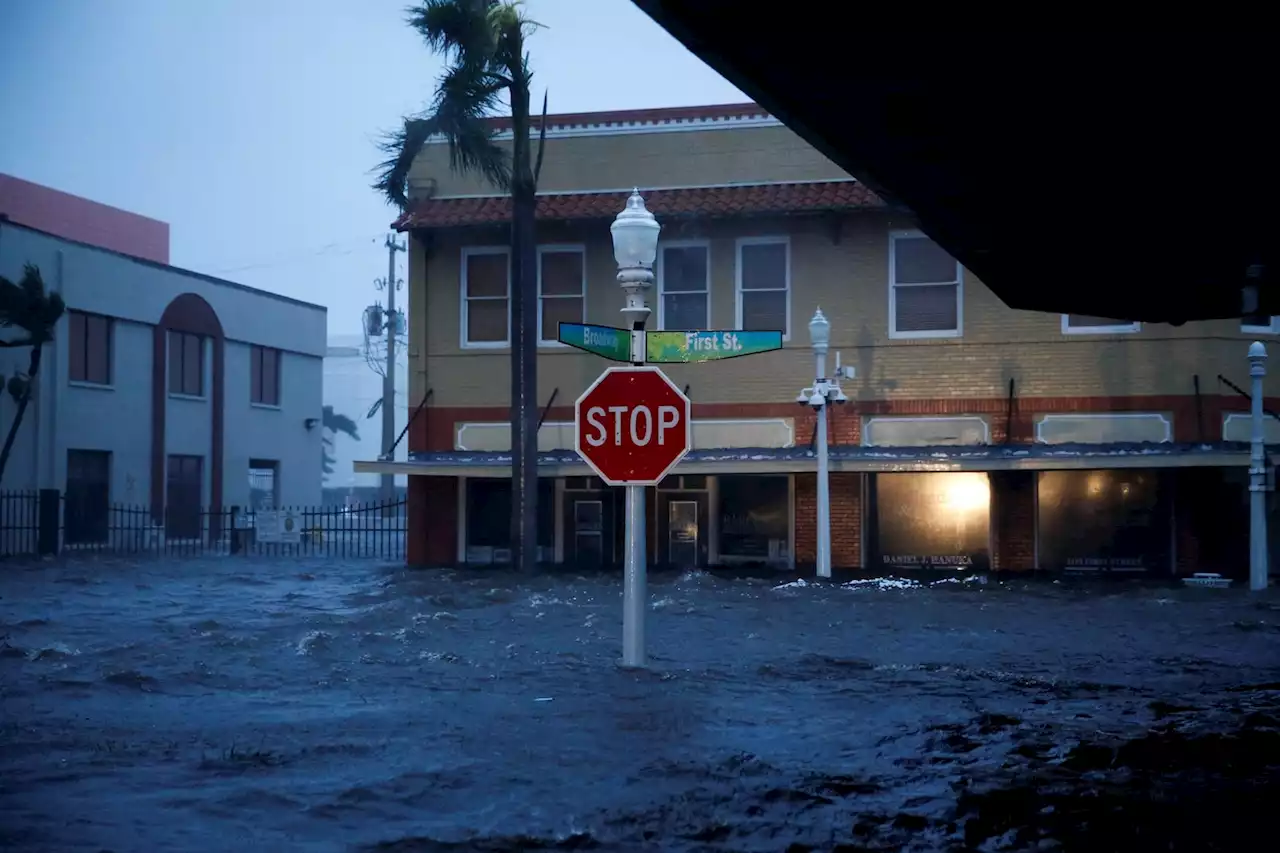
220,704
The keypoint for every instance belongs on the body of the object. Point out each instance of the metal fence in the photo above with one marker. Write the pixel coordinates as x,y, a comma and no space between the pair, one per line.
47,522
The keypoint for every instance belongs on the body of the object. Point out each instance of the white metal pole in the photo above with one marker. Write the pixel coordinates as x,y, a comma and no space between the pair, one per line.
1258,562
824,493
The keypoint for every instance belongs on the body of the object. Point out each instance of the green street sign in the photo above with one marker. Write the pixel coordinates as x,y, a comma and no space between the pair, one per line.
687,347
613,344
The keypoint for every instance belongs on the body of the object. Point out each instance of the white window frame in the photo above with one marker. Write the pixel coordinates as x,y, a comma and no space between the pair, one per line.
1118,329
1272,329
894,334
783,240
467,253
565,248
704,245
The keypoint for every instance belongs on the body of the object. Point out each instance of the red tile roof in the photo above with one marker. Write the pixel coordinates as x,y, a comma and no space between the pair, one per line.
709,202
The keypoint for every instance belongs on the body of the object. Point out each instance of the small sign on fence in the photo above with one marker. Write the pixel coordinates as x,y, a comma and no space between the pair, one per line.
281,526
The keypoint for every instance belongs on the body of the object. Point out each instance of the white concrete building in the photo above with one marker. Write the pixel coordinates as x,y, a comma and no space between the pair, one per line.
163,388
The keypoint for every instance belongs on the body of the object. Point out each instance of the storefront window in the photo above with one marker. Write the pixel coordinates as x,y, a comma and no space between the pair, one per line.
1115,521
489,513
934,520
755,517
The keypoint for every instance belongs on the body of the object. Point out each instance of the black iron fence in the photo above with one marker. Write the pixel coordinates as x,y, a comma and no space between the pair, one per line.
47,522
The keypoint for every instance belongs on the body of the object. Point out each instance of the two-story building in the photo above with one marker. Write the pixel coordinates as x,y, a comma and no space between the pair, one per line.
163,388
975,435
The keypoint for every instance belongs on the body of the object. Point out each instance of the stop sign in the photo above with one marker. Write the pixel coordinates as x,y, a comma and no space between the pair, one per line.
632,426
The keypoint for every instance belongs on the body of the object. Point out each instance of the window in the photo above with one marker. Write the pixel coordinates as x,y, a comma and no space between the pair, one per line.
89,339
489,512
1082,324
186,364
264,379
486,288
764,284
264,484
755,517
184,494
562,280
926,293
88,497
1250,329
684,286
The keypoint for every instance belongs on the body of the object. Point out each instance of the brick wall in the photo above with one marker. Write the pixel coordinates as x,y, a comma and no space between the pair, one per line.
1013,520
846,521
432,538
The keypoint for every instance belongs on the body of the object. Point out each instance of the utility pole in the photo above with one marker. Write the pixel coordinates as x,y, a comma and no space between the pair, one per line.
388,483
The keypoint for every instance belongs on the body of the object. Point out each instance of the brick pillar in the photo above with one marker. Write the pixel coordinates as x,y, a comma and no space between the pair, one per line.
846,521
806,532
432,516
1013,509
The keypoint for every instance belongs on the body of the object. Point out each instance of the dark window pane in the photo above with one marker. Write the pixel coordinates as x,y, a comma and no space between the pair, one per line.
255,374
1117,521
764,310
926,308
175,362
486,321
764,266
935,520
684,311
76,344
755,516
684,269
192,365
97,350
919,260
558,309
561,273
271,377
487,275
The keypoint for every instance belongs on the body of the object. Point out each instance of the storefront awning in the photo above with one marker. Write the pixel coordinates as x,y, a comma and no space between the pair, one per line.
796,460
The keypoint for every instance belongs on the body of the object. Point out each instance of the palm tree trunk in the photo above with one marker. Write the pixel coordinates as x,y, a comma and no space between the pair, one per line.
524,344
33,369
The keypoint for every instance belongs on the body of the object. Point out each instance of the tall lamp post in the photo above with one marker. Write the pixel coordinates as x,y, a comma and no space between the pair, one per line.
823,391
635,246
1258,568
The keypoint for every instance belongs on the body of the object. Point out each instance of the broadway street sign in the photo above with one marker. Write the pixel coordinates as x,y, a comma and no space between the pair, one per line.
606,341
678,347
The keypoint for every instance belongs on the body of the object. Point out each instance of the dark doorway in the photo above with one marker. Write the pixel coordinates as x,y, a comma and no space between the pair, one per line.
682,524
1104,521
88,497
591,528
184,495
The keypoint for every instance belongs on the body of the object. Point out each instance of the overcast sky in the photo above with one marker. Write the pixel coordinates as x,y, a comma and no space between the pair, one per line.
250,125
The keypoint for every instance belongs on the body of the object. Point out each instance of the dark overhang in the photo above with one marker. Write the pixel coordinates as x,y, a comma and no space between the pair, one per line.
1126,175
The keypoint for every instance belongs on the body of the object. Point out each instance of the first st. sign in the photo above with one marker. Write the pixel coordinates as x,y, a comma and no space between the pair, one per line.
632,426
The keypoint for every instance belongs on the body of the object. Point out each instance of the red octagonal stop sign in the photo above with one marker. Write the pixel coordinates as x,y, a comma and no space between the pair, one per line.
632,426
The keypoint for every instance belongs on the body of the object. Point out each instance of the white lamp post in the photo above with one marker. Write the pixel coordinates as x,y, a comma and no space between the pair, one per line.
1258,562
824,390
635,246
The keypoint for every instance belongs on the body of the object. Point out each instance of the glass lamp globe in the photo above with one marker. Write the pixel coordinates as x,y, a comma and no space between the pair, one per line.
819,331
635,234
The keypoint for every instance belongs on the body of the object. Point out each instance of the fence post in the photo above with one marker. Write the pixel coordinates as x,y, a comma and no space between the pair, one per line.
48,522
234,547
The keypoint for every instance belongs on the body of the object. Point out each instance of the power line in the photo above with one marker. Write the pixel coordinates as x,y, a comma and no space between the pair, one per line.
332,249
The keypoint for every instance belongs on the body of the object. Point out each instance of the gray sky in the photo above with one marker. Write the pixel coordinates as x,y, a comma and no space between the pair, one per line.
250,125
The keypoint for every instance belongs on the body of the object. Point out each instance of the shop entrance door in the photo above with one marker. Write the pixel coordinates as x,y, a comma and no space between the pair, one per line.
682,533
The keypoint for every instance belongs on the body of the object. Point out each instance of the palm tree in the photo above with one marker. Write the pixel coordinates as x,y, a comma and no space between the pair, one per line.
332,424
483,42
26,306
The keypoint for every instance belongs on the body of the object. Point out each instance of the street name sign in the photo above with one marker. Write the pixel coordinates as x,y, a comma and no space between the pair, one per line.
605,341
695,346
632,426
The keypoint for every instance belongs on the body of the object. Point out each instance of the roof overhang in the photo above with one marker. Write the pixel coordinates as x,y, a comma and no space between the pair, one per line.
1038,457
1126,175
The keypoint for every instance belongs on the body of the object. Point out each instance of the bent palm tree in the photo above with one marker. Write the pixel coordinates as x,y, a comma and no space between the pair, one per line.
484,45
25,305
331,424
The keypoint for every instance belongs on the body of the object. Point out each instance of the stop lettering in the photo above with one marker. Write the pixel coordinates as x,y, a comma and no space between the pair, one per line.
632,426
